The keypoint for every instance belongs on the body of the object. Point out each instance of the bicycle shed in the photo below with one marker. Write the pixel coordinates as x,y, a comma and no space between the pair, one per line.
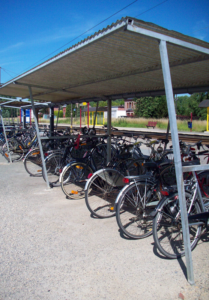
129,58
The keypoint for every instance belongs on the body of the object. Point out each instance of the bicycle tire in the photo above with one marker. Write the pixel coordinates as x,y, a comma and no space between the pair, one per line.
133,219
16,151
203,179
33,163
168,175
73,180
102,192
129,167
99,155
167,155
54,166
167,230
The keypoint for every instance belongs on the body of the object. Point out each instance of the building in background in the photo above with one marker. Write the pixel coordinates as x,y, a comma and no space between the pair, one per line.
130,106
117,112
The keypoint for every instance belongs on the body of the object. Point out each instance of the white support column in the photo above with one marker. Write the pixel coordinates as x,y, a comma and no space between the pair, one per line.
5,135
109,117
177,157
38,136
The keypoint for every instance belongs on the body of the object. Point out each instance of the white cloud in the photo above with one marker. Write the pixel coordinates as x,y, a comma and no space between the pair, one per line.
12,47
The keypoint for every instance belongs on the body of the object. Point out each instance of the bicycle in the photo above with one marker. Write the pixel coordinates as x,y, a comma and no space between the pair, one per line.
167,228
73,185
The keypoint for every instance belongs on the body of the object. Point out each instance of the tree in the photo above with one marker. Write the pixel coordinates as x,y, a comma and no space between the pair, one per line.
68,111
151,107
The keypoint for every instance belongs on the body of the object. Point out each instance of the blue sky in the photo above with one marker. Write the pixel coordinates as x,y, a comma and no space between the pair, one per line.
33,31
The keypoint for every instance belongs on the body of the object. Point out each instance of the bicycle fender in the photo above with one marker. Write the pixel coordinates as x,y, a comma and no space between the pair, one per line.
69,164
159,206
60,177
98,172
121,193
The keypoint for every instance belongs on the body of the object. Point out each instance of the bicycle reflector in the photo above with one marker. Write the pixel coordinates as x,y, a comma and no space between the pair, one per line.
164,193
74,192
89,176
38,152
125,180
79,167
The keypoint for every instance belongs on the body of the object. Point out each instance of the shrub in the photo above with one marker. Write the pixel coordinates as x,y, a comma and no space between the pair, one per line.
60,113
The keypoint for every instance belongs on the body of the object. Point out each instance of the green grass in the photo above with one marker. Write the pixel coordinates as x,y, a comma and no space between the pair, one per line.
198,126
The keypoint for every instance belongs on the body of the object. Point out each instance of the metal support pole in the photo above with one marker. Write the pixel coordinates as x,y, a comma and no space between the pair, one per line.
109,117
38,136
96,114
167,133
80,119
71,127
2,121
52,121
88,114
58,117
177,158
24,118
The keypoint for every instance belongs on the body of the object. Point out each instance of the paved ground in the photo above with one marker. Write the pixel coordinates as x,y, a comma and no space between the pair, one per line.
52,249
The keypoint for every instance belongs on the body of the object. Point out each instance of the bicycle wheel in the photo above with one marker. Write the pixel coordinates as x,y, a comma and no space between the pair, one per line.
2,142
54,166
15,150
102,192
168,175
129,167
99,155
167,228
33,163
73,180
203,179
133,209
167,155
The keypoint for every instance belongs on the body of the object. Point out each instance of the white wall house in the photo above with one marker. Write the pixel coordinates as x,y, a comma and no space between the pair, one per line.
117,111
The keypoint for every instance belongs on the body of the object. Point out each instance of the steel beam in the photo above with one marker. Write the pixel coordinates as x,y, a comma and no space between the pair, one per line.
52,120
24,118
2,120
109,119
177,157
71,122
38,136
96,114
166,38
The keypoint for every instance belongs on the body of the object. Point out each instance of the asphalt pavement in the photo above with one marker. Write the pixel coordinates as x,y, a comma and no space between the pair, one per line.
51,248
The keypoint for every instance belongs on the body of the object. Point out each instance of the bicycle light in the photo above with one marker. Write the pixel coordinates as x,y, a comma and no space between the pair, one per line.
89,176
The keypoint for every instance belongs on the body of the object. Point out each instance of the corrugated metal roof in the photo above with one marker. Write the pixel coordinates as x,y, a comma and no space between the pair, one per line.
116,63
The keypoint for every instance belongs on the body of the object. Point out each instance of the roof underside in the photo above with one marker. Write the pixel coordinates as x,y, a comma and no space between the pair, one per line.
115,63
